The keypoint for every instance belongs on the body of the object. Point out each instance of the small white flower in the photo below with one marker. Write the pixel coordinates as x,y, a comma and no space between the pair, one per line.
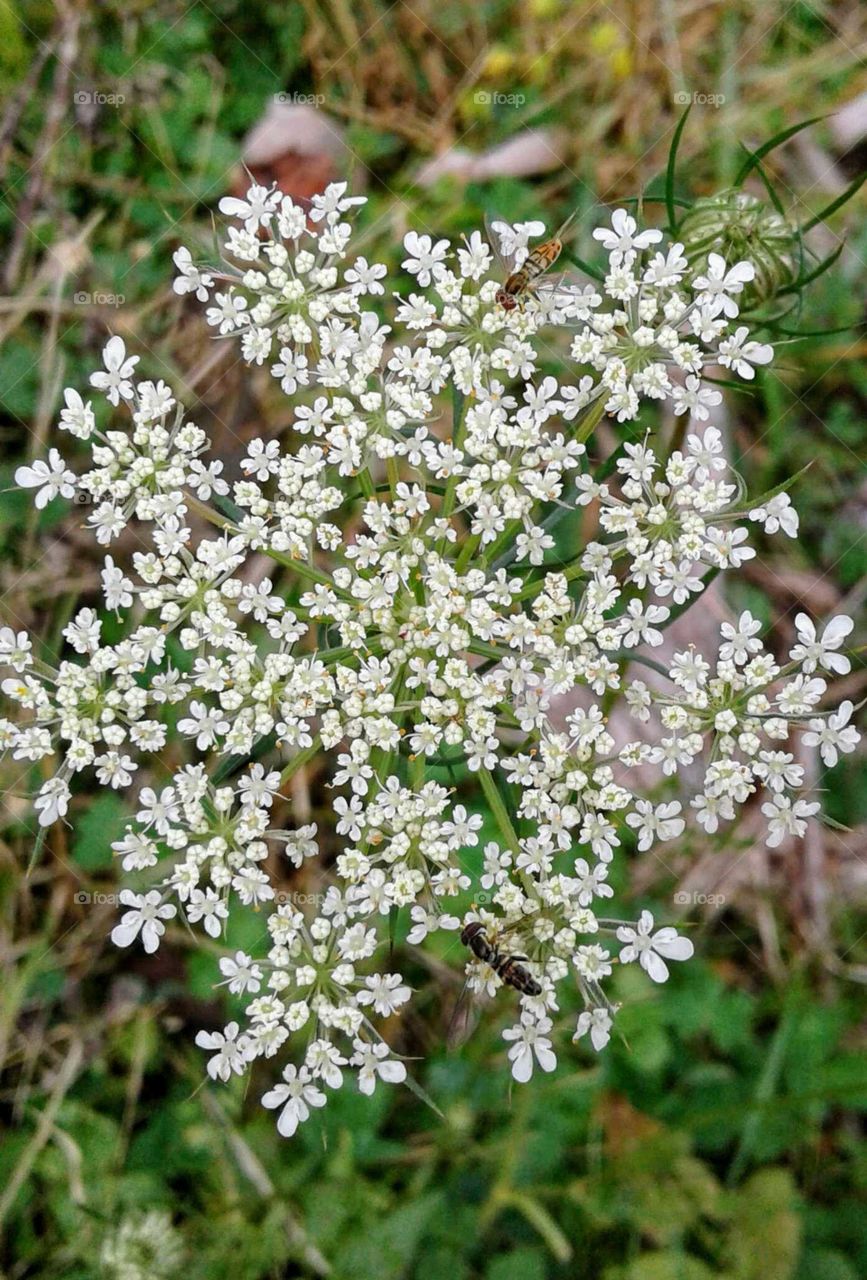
813,650
51,479
736,353
598,1022
207,905
146,916
515,239
787,818
475,259
191,279
52,801
77,418
373,1062
385,993
721,285
256,211
649,948
777,513
115,381
426,260
15,650
740,641
694,399
330,203
531,1043
295,1096
833,735
231,1051
324,1060
204,724
622,239
241,974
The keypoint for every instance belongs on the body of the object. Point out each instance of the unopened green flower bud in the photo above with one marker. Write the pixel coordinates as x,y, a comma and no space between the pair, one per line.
740,227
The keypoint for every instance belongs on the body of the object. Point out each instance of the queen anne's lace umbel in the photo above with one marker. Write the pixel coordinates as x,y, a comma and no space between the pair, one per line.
429,630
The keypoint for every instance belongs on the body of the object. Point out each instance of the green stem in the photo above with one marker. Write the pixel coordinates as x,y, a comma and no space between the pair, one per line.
590,421
365,481
417,771
448,506
469,550
484,650
569,571
393,473
507,827
499,810
503,541
304,756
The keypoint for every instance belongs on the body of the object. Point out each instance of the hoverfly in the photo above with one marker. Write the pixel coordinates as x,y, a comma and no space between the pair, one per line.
508,968
522,281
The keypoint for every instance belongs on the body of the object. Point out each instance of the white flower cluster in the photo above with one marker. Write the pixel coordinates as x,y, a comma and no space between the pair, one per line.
410,624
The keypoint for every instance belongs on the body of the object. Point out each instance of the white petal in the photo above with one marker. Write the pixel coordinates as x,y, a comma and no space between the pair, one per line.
287,1121
392,1071
804,626
123,935
546,1058
669,944
114,353
151,933
274,1097
28,477
654,966
522,1062
233,207
837,629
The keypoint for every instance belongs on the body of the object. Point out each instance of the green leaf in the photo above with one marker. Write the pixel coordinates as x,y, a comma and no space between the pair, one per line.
825,1264
671,171
776,141
102,822
387,1247
768,185
782,487
668,1264
764,1238
823,266
847,195
518,1264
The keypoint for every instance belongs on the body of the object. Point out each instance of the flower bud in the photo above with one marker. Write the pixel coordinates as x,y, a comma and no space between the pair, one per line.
740,227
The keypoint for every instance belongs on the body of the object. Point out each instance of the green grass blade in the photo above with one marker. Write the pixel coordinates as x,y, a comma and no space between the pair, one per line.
671,171
847,195
776,141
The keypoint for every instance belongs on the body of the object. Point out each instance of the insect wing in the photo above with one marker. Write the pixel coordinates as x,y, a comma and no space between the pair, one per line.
505,262
464,1018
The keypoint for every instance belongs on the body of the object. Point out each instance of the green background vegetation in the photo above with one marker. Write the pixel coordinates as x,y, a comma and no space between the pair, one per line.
721,1134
